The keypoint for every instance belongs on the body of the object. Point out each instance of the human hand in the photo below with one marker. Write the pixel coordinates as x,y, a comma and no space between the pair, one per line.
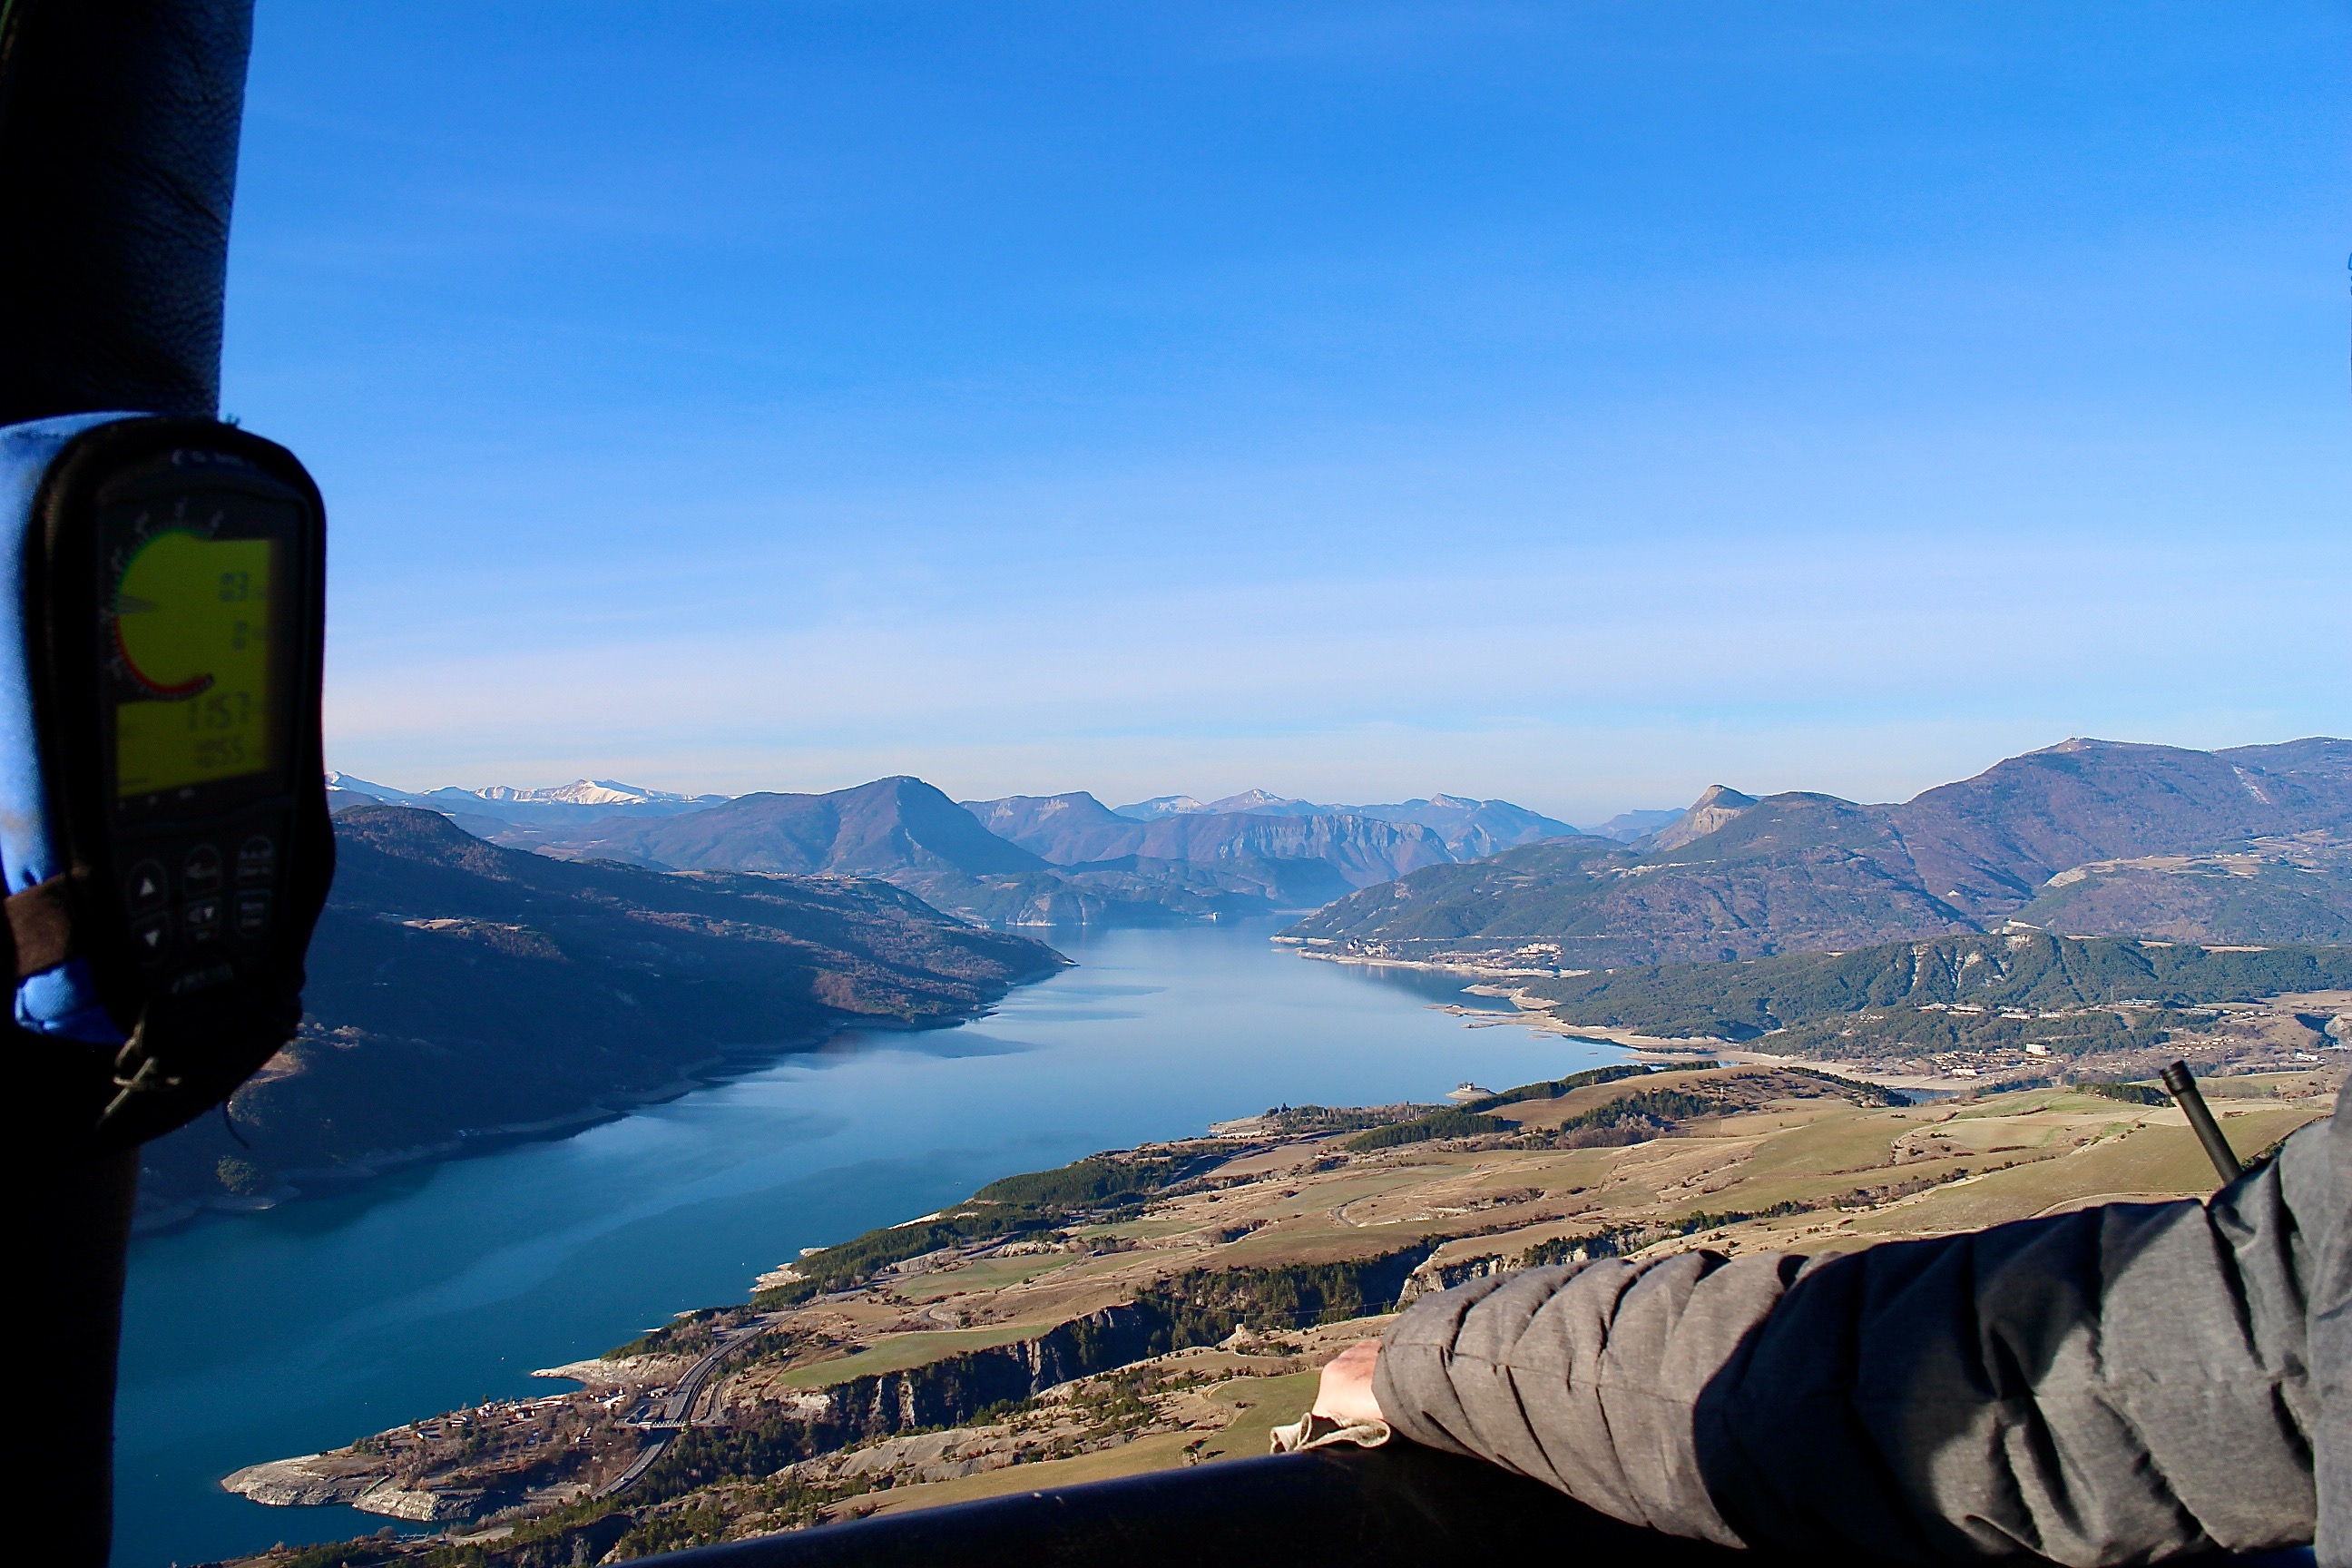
1345,1394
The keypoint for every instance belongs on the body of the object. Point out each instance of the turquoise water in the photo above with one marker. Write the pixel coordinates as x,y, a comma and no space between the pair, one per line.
258,1336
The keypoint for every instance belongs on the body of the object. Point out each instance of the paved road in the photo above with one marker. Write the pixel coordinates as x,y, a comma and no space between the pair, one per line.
680,1407
638,1466
678,1410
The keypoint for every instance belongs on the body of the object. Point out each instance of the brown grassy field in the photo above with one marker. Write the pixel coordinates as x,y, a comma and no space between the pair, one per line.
1845,1174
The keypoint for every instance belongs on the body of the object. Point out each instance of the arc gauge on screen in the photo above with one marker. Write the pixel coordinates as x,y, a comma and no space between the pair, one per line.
191,617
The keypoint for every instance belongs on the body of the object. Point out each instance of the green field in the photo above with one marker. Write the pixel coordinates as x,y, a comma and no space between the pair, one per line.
899,1352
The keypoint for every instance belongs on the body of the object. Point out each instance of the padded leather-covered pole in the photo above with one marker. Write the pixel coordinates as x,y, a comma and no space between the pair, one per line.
73,1226
117,161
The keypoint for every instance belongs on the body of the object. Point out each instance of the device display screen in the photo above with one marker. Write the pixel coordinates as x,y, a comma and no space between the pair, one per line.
192,622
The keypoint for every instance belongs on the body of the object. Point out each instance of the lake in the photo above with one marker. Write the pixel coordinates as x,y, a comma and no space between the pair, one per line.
252,1337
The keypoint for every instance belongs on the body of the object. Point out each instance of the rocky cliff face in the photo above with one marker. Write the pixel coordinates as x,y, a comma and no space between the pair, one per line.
1075,829
1712,812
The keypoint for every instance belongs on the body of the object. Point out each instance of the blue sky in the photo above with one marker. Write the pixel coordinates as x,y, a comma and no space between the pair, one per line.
1579,403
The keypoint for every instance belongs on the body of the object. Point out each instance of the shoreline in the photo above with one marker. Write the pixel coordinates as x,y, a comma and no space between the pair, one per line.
725,1066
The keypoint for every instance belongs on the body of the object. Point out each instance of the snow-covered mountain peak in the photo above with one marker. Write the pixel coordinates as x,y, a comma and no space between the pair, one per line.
1160,806
1261,800
582,792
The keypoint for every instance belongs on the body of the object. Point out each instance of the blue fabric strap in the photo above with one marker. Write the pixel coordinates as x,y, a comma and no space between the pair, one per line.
60,1001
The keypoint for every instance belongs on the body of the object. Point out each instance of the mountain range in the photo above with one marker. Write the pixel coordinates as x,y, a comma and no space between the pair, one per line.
1028,859
2086,838
898,829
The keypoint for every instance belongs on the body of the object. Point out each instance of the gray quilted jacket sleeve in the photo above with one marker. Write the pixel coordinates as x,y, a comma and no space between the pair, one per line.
2116,1386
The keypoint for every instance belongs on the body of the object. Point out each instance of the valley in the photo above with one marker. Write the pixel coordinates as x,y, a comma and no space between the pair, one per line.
535,962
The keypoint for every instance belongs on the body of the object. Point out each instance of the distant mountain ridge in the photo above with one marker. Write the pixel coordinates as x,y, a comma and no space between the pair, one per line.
1171,858
1470,829
899,829
2089,838
580,801
1036,859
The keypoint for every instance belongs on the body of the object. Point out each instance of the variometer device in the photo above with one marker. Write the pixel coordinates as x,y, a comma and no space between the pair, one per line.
163,814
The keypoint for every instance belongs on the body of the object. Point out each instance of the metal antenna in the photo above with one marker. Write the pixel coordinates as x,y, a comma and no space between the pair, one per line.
2183,1089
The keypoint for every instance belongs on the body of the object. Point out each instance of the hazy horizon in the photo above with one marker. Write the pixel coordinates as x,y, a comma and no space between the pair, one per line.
1588,819
1578,406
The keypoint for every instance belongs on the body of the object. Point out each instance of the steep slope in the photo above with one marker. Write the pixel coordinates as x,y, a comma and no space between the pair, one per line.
1987,843
456,985
2087,837
1710,813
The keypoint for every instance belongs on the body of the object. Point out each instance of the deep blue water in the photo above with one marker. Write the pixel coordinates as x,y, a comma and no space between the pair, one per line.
258,1336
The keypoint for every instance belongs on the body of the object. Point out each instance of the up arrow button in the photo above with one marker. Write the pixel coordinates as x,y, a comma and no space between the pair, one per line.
147,884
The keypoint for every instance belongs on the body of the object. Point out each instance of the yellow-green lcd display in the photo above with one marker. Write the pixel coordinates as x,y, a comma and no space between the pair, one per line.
191,624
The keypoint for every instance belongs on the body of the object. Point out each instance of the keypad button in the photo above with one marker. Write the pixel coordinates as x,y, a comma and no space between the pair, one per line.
253,914
201,918
256,859
202,979
201,871
145,888
152,937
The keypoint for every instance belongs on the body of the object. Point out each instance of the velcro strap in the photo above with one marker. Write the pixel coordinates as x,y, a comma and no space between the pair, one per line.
41,927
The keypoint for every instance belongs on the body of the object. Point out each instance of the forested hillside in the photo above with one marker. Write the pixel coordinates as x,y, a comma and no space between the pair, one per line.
457,985
2069,997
